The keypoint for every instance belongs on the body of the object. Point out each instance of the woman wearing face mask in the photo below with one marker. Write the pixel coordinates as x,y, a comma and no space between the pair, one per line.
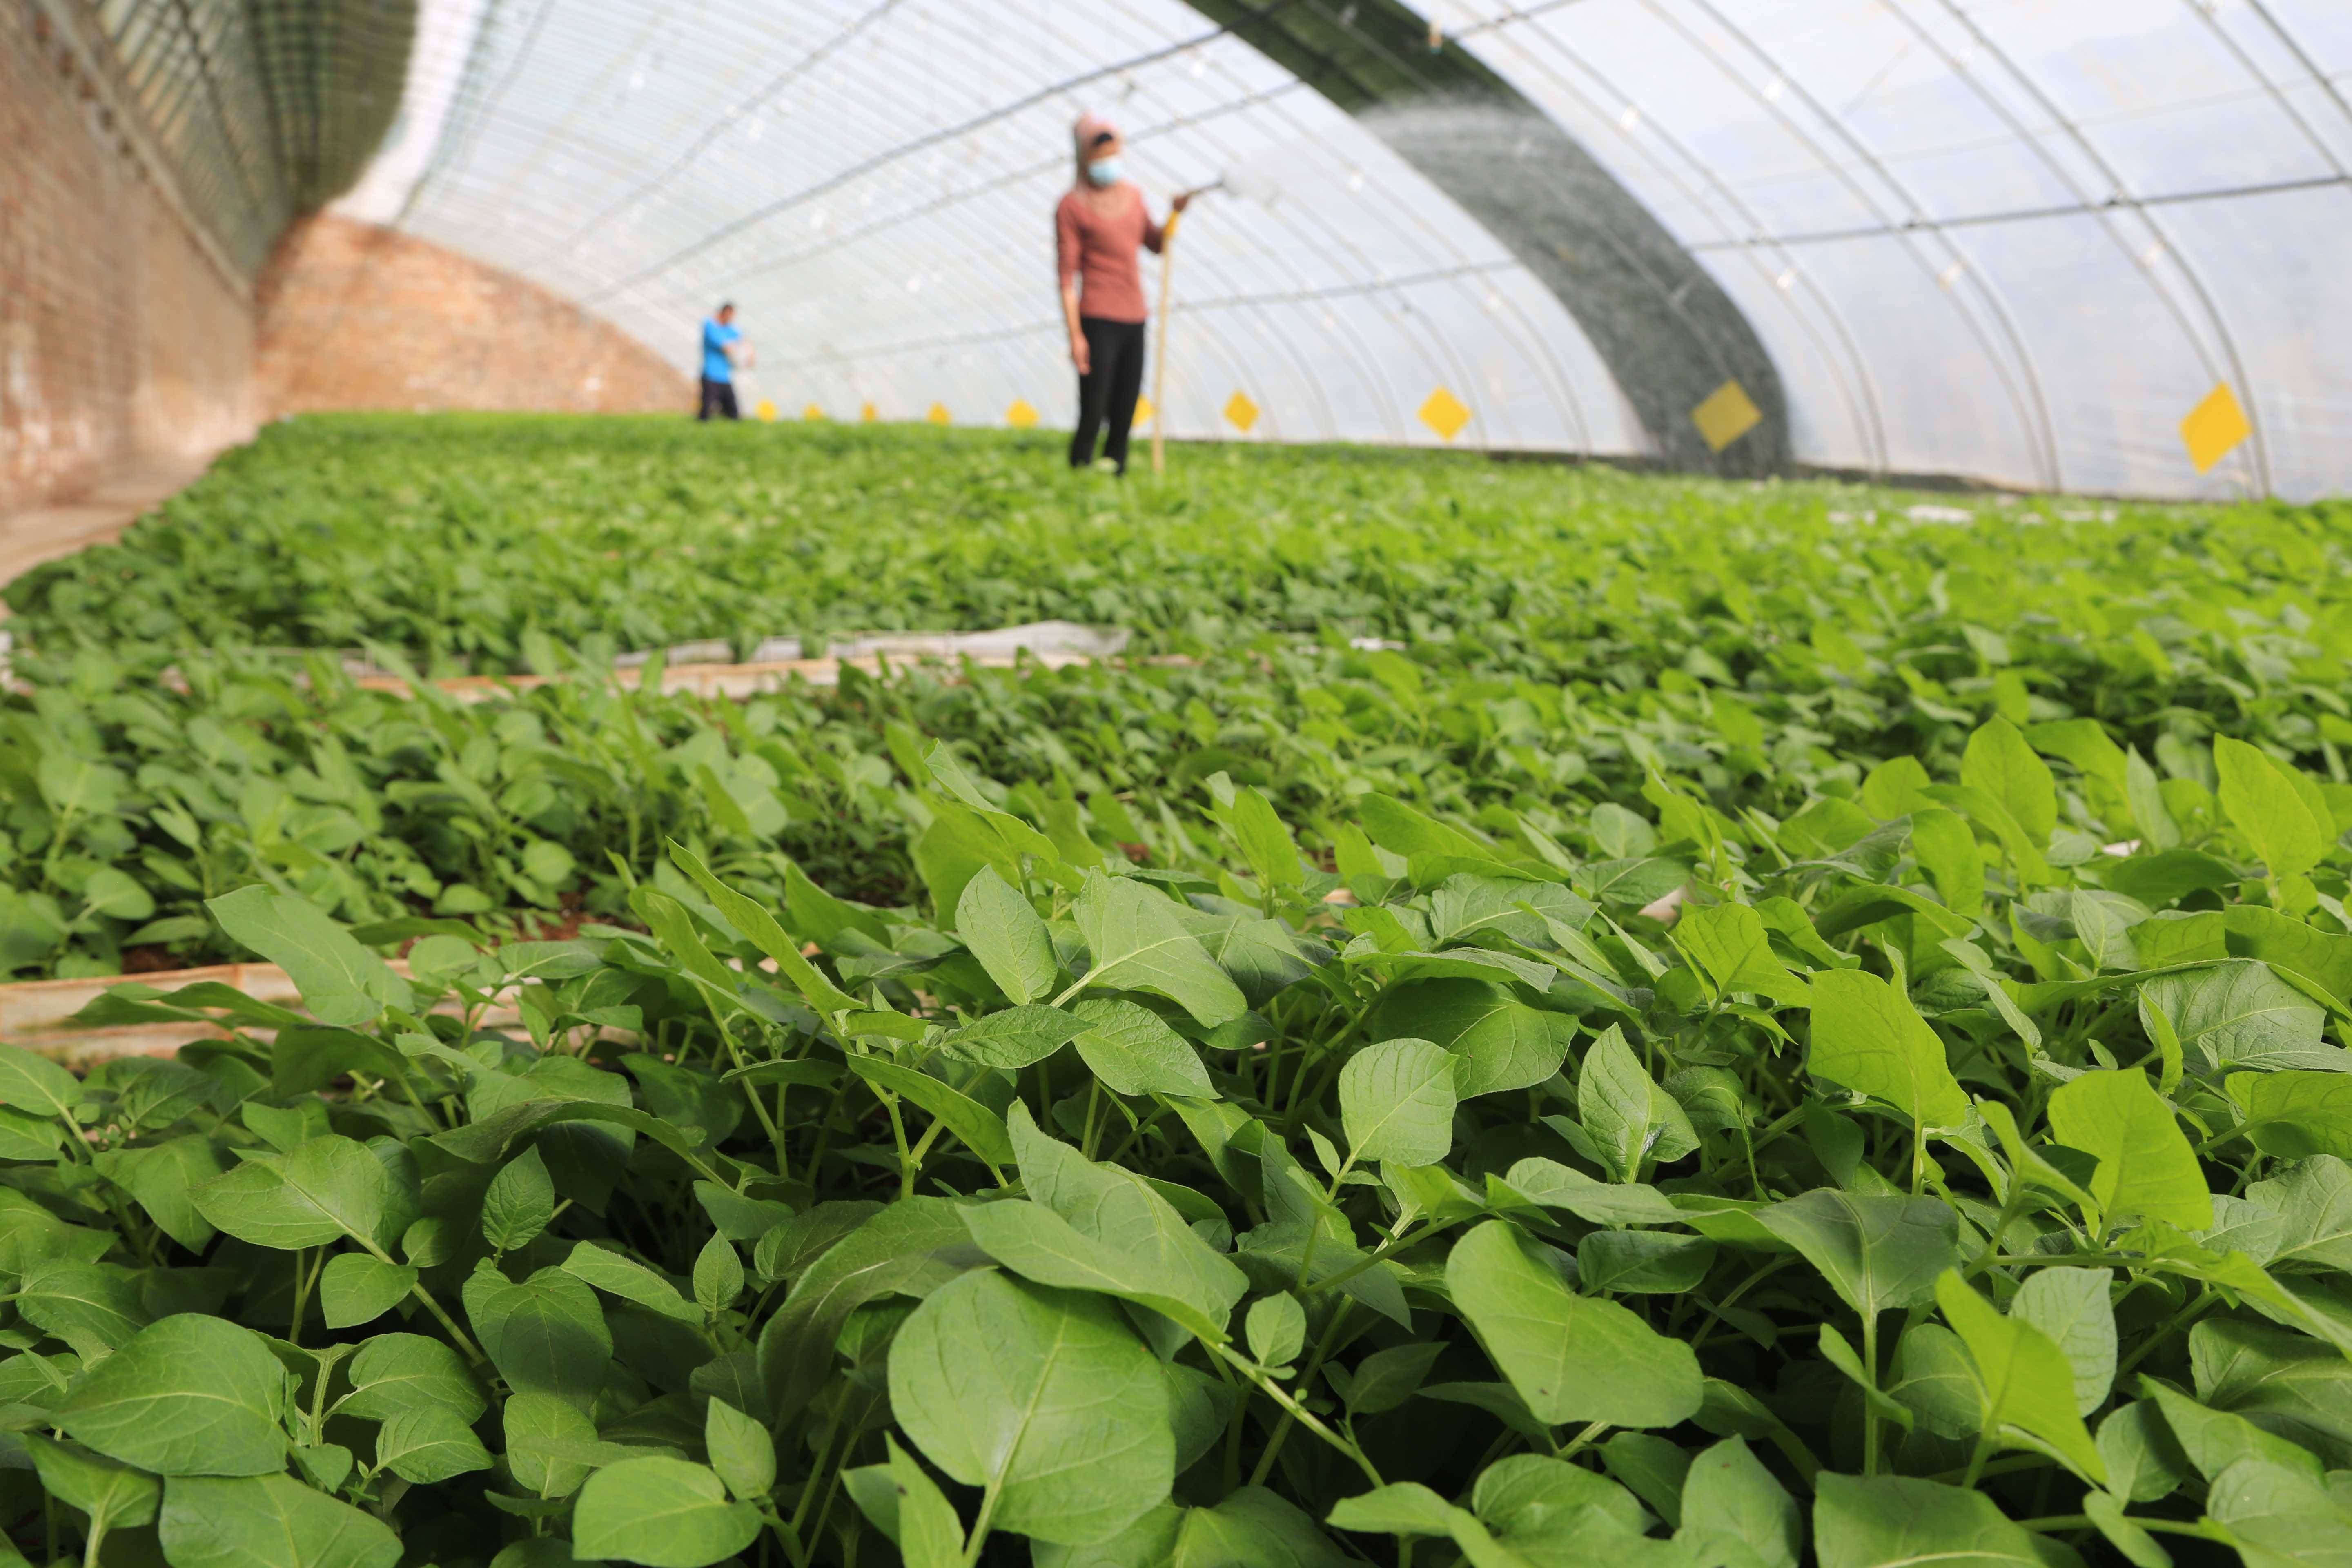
1098,226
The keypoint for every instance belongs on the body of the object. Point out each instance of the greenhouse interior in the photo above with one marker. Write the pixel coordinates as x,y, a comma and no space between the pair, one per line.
1597,753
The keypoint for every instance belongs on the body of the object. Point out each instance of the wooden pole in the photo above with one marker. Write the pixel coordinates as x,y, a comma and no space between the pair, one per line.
1159,366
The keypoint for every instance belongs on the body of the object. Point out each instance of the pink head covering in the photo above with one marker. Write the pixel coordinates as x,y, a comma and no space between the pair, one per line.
1082,137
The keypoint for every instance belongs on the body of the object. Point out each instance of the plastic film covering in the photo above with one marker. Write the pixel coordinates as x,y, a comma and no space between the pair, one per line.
872,183
267,109
2091,244
2017,240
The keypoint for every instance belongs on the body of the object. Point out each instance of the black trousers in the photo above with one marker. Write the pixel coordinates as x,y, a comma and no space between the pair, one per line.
717,397
1107,393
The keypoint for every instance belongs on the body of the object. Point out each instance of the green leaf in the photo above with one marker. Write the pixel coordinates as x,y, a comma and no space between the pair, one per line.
1138,943
1643,1262
1396,1102
910,1249
1729,943
718,1275
393,1374
766,935
741,1452
429,1445
980,1129
160,1178
1266,843
520,1201
1045,1397
2145,793
546,1335
37,1085
1101,1227
2287,1382
1728,1495
2146,1166
1499,1042
1276,1328
663,1512
1016,1036
2241,1014
2295,1115
2276,1514
1624,1112
1571,1358
2024,1378
2313,1202
341,982
906,1505
1998,762
2263,802
93,1307
551,1446
1402,1508
1877,1252
1866,1036
631,1281
1894,1521
1005,934
1133,1051
321,1191
355,1288
2072,1306
267,1522
112,1494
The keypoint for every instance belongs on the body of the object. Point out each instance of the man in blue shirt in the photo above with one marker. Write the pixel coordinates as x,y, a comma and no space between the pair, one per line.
718,337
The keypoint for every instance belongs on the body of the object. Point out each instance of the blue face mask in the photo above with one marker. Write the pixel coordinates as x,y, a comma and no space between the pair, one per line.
1103,172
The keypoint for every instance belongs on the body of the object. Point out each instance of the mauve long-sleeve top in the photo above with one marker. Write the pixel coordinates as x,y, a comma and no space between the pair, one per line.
1096,241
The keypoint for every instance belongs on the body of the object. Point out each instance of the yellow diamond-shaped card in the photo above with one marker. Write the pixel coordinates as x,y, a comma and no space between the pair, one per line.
1241,411
1728,414
2214,428
767,411
865,413
811,412
939,413
1144,411
1444,413
1021,417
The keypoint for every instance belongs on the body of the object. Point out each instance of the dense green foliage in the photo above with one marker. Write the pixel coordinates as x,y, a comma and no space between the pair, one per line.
1564,631
1806,1041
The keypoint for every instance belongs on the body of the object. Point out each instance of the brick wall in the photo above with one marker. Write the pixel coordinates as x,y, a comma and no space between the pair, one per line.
354,316
121,337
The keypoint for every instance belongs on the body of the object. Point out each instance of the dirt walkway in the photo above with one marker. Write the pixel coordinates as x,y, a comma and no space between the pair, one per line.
43,533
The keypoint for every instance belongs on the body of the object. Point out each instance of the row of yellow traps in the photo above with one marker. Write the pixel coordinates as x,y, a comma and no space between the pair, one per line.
2213,429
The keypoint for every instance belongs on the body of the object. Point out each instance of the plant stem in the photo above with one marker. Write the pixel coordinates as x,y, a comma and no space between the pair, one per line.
1870,1406
1305,1418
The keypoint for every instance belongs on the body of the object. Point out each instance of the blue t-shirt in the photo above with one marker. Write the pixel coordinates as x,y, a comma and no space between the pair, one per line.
715,364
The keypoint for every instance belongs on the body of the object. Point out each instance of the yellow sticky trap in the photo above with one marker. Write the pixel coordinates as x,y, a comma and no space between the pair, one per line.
811,412
1241,411
866,413
1021,417
1728,414
2214,428
1144,411
939,413
1444,413
767,411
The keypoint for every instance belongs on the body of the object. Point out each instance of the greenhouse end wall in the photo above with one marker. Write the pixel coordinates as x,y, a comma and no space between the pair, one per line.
122,340
355,316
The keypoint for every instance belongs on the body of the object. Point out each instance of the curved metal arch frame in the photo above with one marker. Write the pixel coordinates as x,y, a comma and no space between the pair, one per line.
1845,359
2031,405
2033,90
1691,332
1372,367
